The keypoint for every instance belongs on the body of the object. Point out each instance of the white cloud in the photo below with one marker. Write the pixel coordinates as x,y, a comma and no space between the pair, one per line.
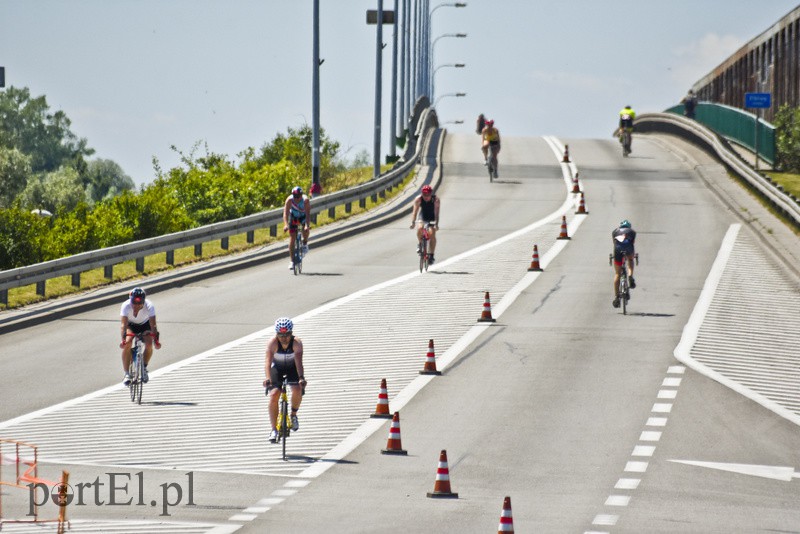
698,58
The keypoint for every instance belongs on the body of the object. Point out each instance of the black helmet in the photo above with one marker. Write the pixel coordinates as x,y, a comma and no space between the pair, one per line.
137,295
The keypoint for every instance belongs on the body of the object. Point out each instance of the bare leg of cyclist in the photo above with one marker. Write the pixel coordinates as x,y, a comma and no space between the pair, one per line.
432,241
617,268
297,398
630,272
274,393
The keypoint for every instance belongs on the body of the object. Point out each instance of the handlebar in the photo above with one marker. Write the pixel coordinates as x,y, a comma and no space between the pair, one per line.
148,333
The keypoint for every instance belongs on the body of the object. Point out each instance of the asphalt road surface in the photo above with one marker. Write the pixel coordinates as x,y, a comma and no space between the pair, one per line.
582,415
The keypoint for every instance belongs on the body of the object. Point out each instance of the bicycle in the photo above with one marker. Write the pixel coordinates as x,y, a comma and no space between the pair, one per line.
624,294
297,255
625,139
284,423
136,367
492,166
423,247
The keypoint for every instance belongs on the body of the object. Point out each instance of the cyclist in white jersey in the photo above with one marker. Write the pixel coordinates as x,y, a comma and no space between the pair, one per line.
137,315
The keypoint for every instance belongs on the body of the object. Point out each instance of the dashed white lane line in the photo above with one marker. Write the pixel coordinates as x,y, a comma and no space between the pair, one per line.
643,449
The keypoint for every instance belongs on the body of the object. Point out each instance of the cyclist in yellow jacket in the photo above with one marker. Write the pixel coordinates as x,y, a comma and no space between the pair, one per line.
490,138
626,118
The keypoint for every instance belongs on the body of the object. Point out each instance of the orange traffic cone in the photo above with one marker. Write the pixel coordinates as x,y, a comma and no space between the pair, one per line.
441,488
582,207
563,234
393,445
430,362
506,521
576,188
535,261
382,408
566,154
486,314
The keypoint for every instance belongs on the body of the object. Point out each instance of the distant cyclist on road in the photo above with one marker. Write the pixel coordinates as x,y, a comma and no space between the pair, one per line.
490,139
284,357
624,238
426,209
137,315
626,118
297,212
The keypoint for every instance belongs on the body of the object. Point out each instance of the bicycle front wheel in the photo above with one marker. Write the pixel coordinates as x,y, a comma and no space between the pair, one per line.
132,374
139,382
284,430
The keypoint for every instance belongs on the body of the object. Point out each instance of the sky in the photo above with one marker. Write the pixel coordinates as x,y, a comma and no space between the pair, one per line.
137,77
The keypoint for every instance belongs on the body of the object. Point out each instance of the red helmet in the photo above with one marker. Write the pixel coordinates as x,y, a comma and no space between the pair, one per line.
426,190
490,123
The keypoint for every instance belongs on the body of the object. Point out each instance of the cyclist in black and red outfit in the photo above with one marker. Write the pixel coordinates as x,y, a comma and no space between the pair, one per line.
624,238
426,209
284,357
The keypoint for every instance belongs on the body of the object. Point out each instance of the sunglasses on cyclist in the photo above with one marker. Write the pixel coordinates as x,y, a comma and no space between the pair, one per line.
283,334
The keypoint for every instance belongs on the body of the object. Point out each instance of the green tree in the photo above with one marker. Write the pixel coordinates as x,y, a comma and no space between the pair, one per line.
21,236
295,147
58,192
787,144
106,179
28,125
15,167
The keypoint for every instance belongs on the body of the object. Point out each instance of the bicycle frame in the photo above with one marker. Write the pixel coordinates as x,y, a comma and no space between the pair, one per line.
624,285
297,255
284,423
625,137
136,367
423,251
492,162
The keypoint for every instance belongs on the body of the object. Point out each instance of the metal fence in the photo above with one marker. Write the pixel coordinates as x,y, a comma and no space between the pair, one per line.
736,125
770,63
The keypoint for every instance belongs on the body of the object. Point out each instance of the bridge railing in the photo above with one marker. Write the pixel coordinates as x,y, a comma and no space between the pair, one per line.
718,146
735,125
423,124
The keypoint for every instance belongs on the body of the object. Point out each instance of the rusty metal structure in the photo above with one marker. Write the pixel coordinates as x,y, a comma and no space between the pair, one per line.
770,63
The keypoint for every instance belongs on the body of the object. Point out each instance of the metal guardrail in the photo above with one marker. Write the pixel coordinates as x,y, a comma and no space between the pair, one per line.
736,125
719,148
108,257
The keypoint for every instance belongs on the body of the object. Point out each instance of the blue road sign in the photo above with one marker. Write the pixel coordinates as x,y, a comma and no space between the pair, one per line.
757,100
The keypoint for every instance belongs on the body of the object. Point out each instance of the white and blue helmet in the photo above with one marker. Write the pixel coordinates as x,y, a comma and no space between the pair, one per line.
283,325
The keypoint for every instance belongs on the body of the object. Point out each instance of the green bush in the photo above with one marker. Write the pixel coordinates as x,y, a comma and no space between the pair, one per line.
787,145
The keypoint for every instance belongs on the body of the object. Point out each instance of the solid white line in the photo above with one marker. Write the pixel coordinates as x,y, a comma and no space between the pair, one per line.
690,331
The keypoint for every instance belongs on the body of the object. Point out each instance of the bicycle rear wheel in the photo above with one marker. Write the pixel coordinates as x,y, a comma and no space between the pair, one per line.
623,289
297,257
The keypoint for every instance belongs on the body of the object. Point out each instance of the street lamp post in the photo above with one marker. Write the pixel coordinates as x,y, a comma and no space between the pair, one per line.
433,76
457,95
316,186
431,60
